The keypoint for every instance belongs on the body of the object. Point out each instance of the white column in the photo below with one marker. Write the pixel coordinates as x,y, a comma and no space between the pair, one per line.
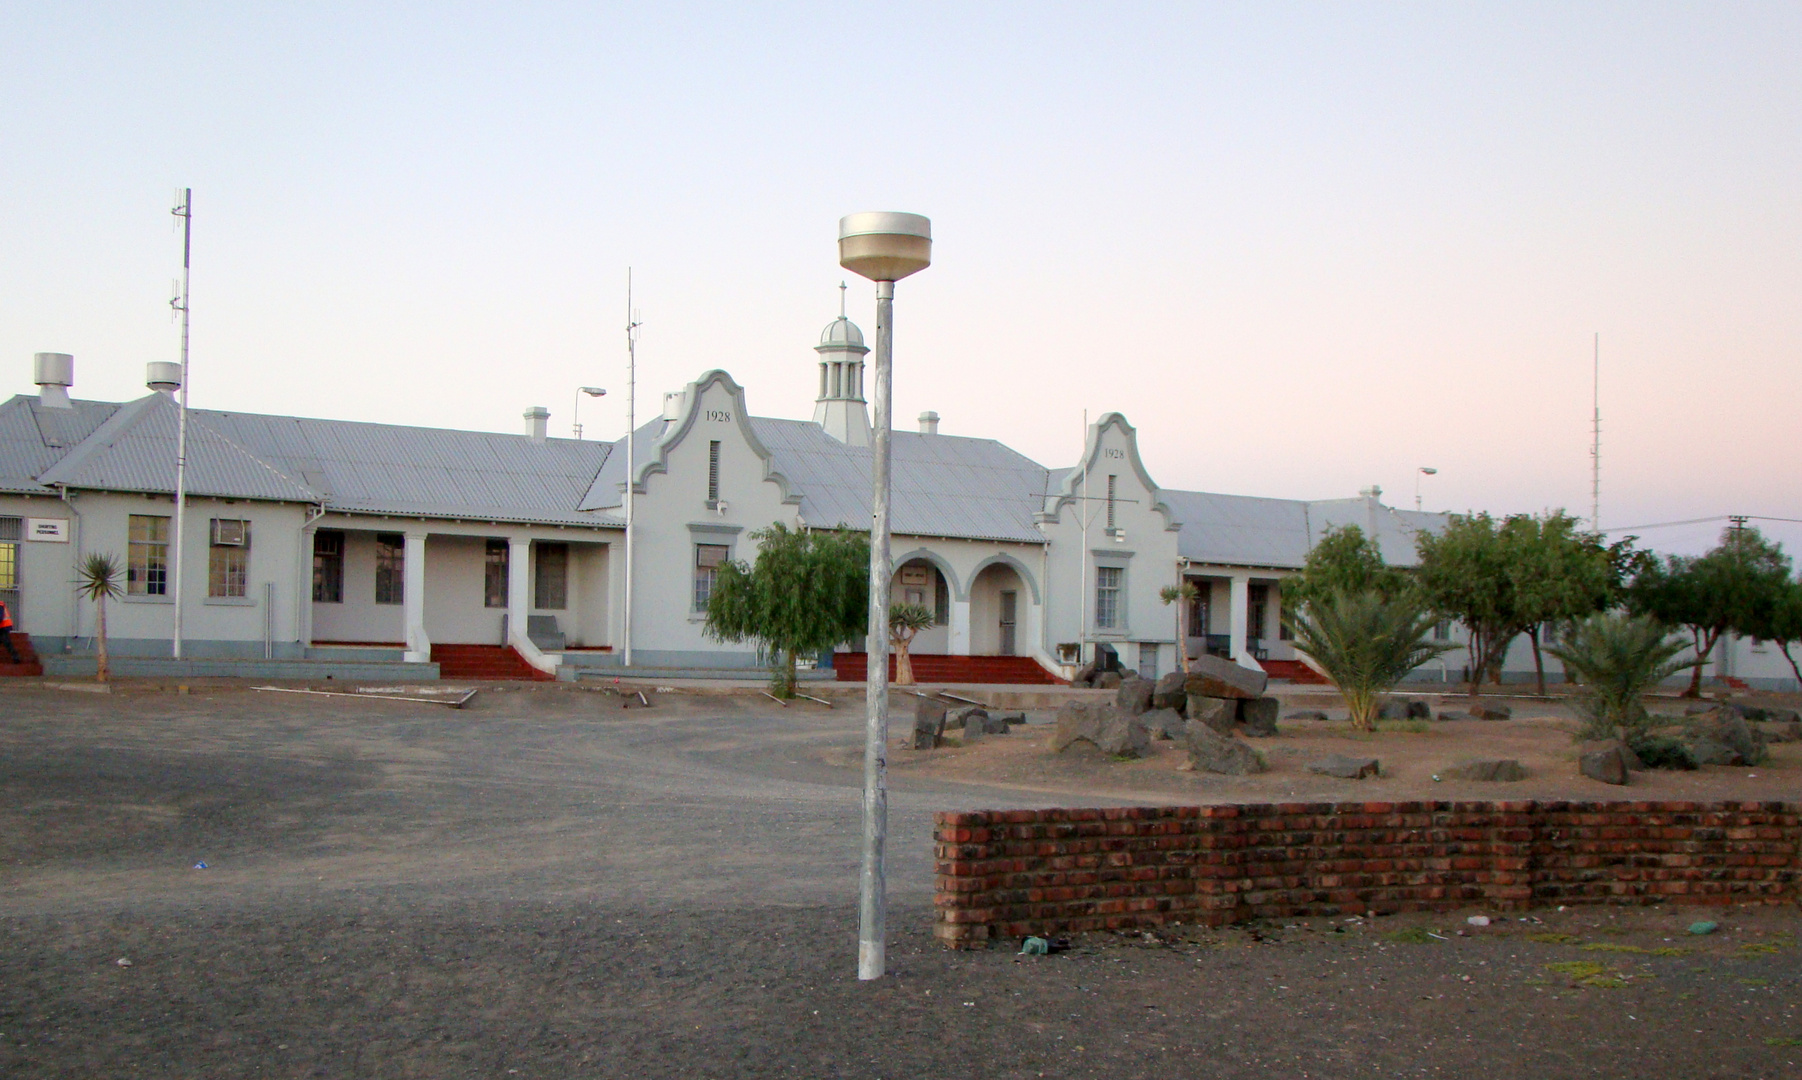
519,577
419,647
1240,606
959,643
303,594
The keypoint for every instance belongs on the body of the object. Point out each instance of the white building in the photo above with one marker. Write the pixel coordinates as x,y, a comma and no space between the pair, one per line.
314,544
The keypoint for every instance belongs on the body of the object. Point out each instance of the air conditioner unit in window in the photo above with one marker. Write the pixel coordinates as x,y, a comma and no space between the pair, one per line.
230,533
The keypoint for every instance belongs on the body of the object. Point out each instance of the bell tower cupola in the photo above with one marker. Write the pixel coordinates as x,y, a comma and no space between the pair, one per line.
840,408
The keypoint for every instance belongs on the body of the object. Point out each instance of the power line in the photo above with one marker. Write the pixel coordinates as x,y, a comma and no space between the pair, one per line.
1740,518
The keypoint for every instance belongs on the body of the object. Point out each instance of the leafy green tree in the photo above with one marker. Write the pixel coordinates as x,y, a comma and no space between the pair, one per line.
1617,659
1365,643
1780,622
807,592
1182,596
905,621
1344,561
98,578
1733,587
1466,572
1559,573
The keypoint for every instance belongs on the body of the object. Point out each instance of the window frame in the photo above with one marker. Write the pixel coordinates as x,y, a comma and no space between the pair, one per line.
140,576
328,567
550,593
493,596
228,559
1113,594
390,568
706,575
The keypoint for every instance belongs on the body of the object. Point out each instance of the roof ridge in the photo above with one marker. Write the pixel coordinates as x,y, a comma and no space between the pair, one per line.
128,415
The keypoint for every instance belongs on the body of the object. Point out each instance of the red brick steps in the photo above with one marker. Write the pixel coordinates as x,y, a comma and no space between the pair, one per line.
935,668
28,656
1294,671
485,663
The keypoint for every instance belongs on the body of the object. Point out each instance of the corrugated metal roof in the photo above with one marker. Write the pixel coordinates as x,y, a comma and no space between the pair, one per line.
942,485
350,466
32,439
1240,529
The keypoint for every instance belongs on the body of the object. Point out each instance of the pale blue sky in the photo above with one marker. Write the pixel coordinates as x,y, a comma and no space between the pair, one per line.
1303,248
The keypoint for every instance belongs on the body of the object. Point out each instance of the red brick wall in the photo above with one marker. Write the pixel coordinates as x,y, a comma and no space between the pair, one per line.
1010,873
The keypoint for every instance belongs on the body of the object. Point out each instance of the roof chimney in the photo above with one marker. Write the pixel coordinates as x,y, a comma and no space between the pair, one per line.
162,376
54,372
929,423
536,418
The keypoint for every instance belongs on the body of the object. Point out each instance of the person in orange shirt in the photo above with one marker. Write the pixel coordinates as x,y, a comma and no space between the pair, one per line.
6,631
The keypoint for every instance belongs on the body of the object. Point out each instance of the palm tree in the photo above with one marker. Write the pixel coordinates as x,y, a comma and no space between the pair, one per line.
1182,596
904,621
1617,658
97,579
1365,643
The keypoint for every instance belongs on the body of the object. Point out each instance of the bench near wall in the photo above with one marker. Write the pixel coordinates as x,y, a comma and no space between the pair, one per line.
1011,873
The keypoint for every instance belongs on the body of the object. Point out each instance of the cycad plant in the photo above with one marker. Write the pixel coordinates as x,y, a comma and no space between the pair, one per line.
905,621
1365,643
1616,659
97,579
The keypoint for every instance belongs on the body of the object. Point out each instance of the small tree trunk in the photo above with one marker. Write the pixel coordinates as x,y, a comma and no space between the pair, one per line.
1479,660
789,670
1538,660
904,668
1182,633
1784,645
1704,646
101,674
1363,708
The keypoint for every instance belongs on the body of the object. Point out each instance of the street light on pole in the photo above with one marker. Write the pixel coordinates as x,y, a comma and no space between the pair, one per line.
576,415
884,247
1424,470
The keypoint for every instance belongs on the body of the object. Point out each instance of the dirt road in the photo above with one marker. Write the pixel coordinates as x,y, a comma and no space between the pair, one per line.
547,885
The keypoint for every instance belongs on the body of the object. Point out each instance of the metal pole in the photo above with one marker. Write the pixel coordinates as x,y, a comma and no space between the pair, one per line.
872,912
186,212
631,439
1595,446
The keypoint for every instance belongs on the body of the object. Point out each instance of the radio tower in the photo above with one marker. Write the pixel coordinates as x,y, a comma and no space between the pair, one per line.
1595,444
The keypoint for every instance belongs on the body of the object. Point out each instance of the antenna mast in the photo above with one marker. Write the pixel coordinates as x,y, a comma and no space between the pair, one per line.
185,211
1595,445
631,438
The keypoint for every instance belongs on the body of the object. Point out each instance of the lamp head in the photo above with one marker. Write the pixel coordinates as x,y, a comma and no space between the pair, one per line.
594,391
884,246
1429,471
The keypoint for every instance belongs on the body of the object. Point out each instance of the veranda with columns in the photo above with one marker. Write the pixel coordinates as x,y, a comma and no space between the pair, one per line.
410,584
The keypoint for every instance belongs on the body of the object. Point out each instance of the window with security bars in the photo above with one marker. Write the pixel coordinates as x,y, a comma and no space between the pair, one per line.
390,568
11,529
147,556
1107,596
328,566
228,559
494,573
550,589
708,560
1258,605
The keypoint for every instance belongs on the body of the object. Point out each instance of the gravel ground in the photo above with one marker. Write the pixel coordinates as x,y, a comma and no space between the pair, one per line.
547,885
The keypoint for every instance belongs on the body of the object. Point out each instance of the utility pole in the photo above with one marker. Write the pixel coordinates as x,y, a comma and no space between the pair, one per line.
631,439
185,211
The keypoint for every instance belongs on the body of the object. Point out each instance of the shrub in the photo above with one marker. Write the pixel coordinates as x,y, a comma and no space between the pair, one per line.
1663,752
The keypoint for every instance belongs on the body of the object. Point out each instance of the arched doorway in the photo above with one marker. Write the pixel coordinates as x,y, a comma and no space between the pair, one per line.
998,600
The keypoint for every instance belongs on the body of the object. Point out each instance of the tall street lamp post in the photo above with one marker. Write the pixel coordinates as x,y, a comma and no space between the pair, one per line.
576,416
884,247
1424,470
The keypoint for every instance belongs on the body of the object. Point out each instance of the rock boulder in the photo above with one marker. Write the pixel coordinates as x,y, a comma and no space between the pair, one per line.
1605,760
1346,768
1211,676
1259,716
1103,727
1134,695
1485,711
1505,770
1169,692
1164,723
1221,714
1210,751
929,724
